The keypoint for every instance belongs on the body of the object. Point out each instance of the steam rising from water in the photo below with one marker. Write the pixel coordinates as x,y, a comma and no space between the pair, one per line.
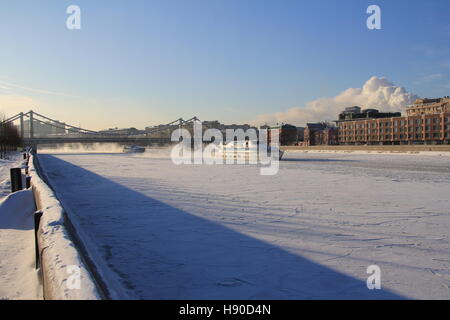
81,148
152,151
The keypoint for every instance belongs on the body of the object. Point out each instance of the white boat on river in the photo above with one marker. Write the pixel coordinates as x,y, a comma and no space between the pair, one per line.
246,150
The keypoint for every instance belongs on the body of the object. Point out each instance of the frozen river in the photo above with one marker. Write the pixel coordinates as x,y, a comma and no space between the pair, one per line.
161,231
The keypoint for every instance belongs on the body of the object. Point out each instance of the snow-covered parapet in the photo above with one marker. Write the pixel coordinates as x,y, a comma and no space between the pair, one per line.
65,275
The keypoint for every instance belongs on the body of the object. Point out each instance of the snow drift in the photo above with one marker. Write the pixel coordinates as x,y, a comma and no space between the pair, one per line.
18,277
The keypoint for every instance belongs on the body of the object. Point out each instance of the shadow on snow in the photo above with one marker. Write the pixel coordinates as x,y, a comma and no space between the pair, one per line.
158,251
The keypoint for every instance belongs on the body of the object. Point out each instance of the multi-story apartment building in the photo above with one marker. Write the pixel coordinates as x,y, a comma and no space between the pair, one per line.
288,134
427,121
317,134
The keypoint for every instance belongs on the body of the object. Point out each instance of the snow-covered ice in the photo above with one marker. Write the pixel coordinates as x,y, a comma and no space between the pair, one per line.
225,232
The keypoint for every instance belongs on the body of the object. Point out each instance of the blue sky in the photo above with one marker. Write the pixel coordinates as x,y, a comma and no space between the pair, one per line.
137,63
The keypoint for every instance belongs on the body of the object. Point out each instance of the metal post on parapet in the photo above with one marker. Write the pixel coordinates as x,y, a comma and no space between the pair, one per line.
31,125
16,179
34,148
37,220
28,182
22,129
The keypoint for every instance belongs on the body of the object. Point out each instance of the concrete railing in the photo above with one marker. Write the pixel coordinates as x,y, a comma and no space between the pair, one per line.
64,273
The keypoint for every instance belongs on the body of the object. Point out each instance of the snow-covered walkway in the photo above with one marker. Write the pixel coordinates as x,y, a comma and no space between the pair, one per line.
18,277
166,231
13,160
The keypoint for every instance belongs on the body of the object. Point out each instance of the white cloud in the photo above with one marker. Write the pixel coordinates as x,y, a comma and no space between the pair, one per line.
376,93
430,78
11,86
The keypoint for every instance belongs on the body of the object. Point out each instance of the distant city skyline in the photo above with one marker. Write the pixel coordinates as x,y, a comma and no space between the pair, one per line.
143,63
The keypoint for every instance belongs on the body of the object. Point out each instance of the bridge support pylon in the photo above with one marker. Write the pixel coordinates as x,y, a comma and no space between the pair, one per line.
22,129
31,125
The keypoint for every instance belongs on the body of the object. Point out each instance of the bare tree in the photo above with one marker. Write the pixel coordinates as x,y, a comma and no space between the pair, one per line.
9,137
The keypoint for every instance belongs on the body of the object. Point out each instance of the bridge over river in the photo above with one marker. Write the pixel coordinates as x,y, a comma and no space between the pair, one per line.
66,133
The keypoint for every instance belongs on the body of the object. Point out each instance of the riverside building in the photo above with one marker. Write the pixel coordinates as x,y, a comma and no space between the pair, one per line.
427,121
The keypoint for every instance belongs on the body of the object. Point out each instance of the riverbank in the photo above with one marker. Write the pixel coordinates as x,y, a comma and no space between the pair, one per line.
411,149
